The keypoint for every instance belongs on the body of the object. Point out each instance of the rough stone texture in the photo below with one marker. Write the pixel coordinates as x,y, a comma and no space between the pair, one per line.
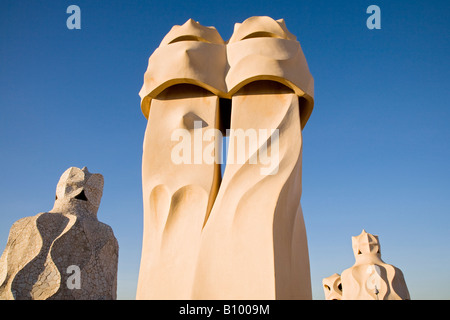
242,236
370,278
42,250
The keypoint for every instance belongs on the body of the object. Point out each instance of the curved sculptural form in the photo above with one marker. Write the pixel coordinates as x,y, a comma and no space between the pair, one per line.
332,287
254,244
242,236
182,72
66,253
370,278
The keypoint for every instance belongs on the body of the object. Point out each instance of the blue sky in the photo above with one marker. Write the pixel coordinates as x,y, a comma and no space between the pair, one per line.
376,148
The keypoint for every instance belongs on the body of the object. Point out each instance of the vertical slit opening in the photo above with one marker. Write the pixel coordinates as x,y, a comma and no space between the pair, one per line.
225,123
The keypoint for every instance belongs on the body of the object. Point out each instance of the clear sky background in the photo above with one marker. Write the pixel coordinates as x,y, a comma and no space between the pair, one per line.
376,148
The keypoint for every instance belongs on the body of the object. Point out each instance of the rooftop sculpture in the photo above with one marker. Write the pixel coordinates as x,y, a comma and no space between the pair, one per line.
240,235
370,278
65,253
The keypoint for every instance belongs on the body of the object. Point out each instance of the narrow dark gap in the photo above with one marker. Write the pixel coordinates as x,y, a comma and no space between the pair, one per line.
225,123
303,105
225,115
